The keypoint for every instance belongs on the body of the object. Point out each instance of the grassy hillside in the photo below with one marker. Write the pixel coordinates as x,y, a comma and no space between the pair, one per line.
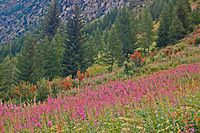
161,96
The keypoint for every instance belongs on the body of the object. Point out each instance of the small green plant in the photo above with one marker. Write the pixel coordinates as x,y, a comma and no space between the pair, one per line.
197,41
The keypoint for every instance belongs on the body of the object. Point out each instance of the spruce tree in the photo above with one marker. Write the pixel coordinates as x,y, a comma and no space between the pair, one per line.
113,48
165,22
38,70
73,54
125,32
196,17
52,20
7,75
29,62
184,13
52,57
176,29
146,33
25,60
90,52
98,40
157,7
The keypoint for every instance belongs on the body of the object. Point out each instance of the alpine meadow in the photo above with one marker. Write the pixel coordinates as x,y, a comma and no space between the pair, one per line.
108,66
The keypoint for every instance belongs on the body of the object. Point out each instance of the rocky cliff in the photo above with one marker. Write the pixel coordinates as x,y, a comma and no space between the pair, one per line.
17,16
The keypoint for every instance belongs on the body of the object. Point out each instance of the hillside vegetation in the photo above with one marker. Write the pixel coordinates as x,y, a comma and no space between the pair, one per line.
161,102
132,70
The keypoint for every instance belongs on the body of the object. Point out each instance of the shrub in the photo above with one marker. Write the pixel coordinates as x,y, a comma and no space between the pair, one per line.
97,69
137,58
80,76
58,85
24,91
43,90
67,83
128,67
197,41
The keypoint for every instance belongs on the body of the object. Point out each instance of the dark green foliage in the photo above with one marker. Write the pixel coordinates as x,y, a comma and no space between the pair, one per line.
4,51
108,20
52,57
12,48
42,91
29,61
196,16
165,22
102,23
52,20
197,41
38,64
175,23
90,53
176,29
25,60
7,75
126,32
98,40
113,48
184,13
157,7
145,31
73,54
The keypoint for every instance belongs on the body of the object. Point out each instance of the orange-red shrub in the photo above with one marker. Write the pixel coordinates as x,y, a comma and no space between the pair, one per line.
137,58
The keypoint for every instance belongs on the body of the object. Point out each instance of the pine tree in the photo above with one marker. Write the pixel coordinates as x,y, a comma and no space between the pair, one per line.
52,57
98,40
196,16
52,20
73,54
165,22
25,60
38,70
7,75
125,32
90,52
184,13
176,29
29,62
157,7
113,48
146,33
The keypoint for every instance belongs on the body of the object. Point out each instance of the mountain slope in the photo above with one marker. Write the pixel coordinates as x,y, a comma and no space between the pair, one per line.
16,16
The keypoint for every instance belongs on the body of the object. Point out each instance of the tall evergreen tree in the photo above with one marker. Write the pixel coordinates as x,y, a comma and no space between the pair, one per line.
25,60
196,16
176,29
124,29
52,20
146,33
113,48
52,57
184,13
98,37
165,22
90,52
29,62
73,54
38,64
7,75
157,7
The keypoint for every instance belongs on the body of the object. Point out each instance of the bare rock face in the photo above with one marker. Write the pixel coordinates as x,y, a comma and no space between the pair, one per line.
17,16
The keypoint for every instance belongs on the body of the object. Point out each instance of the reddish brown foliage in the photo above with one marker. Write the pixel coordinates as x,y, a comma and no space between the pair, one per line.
137,58
67,83
80,76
